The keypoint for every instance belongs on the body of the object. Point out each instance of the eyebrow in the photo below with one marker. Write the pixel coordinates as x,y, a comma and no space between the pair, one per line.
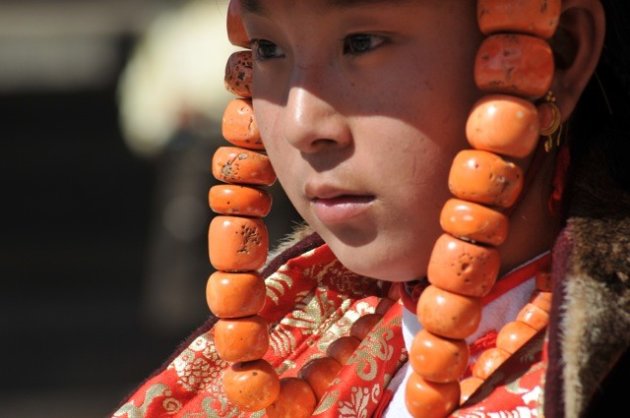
257,7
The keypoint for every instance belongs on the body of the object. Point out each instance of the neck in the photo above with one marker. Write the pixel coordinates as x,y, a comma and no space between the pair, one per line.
535,230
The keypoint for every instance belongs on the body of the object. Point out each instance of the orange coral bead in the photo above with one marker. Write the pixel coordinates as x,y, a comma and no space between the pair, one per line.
463,268
504,124
447,314
542,300
536,17
241,166
342,348
362,326
238,74
239,125
514,335
241,339
237,244
474,222
430,400
488,362
438,359
533,316
319,373
514,64
543,281
296,400
234,295
227,199
468,387
483,177
235,29
251,386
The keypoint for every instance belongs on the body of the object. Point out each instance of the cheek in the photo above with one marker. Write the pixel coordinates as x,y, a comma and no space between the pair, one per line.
283,157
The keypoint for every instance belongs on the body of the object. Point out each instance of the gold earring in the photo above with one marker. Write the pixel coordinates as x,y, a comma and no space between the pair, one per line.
550,121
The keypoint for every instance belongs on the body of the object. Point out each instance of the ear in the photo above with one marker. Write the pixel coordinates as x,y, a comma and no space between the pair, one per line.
577,46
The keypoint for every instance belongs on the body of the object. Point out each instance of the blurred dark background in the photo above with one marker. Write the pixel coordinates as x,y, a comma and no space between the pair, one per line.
103,252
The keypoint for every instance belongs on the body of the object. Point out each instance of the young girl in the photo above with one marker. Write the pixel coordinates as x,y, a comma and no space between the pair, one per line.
408,295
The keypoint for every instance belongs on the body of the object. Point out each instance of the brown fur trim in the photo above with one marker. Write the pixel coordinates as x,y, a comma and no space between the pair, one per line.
596,314
595,308
300,232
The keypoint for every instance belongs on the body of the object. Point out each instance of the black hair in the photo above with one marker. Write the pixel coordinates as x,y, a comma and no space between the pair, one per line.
602,116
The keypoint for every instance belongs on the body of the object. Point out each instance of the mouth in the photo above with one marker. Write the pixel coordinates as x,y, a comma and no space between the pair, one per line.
340,208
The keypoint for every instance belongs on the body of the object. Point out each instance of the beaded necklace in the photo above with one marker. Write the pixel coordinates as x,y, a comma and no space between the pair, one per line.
515,67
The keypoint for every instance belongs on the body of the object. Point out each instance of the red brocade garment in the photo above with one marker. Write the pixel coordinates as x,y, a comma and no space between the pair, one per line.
311,301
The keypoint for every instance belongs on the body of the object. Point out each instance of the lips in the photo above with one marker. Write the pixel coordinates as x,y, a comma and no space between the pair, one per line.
333,206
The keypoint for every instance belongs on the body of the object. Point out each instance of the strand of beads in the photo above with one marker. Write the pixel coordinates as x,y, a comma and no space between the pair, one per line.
514,65
238,246
533,317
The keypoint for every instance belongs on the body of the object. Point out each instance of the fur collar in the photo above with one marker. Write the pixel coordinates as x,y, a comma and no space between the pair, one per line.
590,321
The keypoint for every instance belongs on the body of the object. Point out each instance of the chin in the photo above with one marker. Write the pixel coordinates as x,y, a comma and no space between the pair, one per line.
389,264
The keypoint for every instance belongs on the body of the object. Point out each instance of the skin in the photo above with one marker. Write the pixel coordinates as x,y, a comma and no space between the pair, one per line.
364,103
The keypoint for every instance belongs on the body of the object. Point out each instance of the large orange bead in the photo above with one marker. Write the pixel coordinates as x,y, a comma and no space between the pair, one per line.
447,314
342,348
362,326
438,359
239,125
241,166
504,124
296,400
430,400
241,339
542,300
235,29
234,295
514,335
227,199
488,362
251,386
238,74
474,222
463,268
467,387
483,177
319,373
237,244
536,17
533,316
514,64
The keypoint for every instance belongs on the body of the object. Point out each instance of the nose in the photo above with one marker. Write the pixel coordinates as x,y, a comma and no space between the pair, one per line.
312,123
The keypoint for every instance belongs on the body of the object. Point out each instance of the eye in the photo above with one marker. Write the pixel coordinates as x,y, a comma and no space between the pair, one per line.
264,50
361,43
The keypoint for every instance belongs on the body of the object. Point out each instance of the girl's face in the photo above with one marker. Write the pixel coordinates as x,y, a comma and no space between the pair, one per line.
362,106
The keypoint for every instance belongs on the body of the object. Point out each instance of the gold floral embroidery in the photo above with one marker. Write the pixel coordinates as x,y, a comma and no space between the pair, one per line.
327,402
140,411
277,285
310,313
171,406
374,346
199,365
356,406
286,365
342,326
282,342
